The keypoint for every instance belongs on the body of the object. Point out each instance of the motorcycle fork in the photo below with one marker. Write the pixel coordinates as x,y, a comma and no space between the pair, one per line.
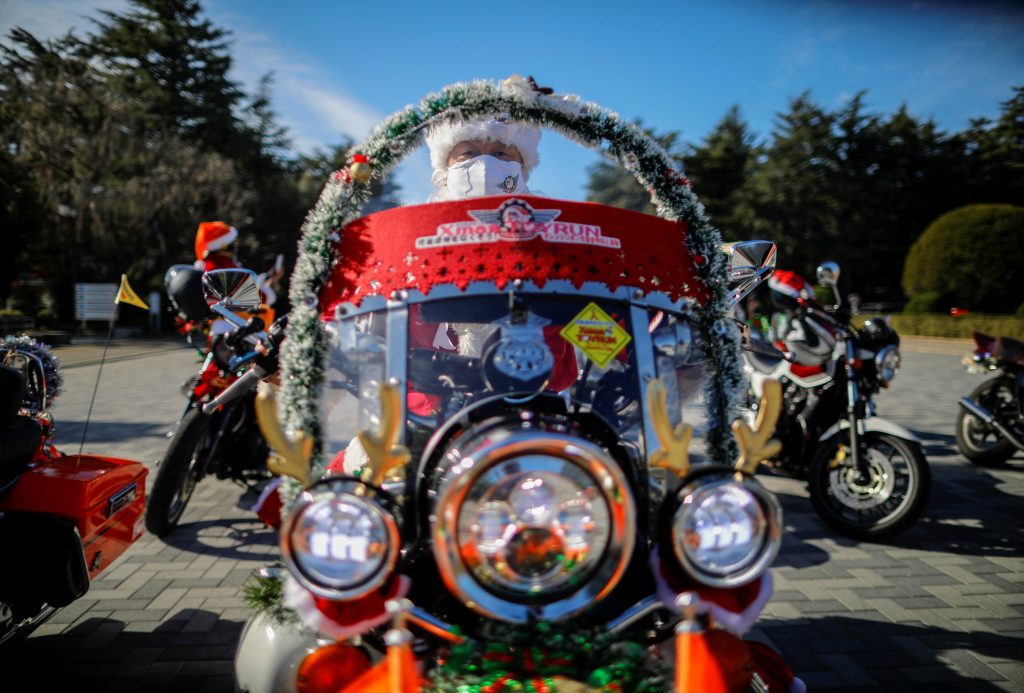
852,397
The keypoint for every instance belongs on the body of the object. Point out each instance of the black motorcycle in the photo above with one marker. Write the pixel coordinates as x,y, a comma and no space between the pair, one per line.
990,425
217,433
868,477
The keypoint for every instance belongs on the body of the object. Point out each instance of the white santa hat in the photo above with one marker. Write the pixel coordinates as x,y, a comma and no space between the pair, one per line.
442,138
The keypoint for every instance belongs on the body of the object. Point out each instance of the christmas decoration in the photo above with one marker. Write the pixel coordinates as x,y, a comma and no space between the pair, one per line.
51,365
548,658
360,170
303,352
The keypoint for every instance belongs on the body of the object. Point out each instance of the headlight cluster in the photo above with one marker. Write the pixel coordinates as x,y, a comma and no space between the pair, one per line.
341,541
887,362
532,524
726,530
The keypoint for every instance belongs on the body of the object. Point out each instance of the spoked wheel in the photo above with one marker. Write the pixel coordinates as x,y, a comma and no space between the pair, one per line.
881,503
977,441
180,471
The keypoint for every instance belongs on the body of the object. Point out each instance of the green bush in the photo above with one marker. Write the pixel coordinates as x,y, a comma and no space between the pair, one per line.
925,302
971,254
938,325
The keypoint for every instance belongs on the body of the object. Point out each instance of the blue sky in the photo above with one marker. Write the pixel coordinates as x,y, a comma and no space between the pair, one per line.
342,66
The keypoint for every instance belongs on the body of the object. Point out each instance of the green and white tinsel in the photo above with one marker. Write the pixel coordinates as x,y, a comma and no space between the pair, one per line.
304,350
50,363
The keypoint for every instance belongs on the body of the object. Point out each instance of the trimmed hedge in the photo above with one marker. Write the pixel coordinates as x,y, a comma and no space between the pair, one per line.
971,257
936,325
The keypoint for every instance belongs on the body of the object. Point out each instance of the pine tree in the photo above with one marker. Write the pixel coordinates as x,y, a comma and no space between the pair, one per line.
168,57
609,184
718,169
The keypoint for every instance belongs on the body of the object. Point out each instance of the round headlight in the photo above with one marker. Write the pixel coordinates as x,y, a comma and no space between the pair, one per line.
339,542
726,531
533,525
887,362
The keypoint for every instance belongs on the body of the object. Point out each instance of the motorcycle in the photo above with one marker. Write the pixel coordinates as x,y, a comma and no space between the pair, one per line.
990,424
867,477
214,435
64,519
484,422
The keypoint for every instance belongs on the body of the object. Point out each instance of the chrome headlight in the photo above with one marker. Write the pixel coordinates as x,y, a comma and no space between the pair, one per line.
341,539
726,529
532,525
887,362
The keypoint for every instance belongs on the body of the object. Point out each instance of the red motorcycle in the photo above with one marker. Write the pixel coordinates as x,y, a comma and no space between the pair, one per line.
64,518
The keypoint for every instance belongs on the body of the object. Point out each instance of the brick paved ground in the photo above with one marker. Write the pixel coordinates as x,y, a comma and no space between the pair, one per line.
941,607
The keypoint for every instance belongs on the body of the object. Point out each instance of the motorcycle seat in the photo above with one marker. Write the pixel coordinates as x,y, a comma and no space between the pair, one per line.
19,443
20,436
1008,350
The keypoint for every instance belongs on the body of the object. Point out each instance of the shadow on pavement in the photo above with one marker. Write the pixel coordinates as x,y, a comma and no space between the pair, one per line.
846,653
191,650
111,431
233,538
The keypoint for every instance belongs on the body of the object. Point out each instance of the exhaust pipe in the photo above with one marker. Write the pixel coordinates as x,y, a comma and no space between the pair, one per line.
985,415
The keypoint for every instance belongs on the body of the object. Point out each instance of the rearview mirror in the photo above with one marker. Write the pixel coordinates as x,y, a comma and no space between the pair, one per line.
750,263
235,289
828,273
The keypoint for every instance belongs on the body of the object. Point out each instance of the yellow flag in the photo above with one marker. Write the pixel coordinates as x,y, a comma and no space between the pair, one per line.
126,295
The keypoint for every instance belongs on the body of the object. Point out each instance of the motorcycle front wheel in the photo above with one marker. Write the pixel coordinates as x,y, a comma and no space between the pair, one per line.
884,502
179,472
977,441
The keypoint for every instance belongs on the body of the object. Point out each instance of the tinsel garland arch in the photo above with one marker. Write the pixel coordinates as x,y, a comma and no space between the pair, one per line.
519,100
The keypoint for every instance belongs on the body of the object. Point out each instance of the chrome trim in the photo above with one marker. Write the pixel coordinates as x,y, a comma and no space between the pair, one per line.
396,358
609,480
552,287
38,362
433,625
122,498
358,493
880,358
771,541
631,615
646,371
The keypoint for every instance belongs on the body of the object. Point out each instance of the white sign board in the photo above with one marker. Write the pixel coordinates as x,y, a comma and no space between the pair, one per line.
95,301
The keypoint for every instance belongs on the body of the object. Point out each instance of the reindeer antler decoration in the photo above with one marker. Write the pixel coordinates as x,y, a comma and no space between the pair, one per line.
757,445
674,453
383,450
291,454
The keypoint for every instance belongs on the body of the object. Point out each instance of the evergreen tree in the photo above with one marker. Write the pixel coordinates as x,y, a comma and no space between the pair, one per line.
610,184
791,193
164,54
718,169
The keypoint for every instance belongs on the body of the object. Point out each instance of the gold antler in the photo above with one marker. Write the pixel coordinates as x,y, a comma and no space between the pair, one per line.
384,451
757,445
674,453
290,455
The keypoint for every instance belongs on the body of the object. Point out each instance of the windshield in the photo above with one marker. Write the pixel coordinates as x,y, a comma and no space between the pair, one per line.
461,350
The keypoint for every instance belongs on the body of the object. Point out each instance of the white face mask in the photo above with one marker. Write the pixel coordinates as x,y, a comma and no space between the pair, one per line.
484,175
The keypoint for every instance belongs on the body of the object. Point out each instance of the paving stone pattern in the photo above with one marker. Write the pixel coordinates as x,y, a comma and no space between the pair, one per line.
939,608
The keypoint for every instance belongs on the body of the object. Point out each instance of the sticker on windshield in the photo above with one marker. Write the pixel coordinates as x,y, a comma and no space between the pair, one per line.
596,334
